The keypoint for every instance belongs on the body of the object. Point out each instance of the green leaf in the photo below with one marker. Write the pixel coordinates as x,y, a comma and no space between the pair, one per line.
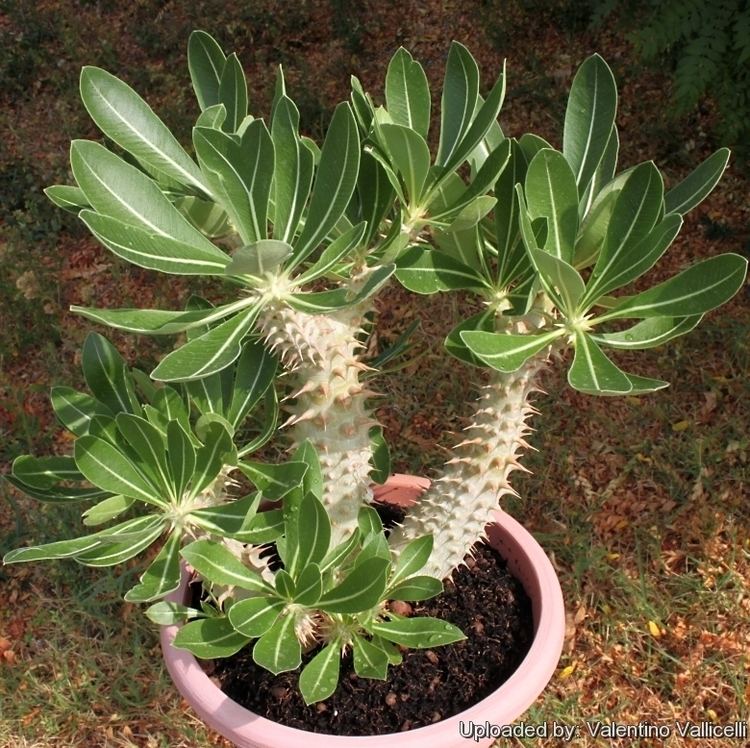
206,63
44,472
336,251
460,92
649,333
410,156
167,613
428,271
493,166
259,258
264,527
551,193
594,229
589,117
240,173
105,374
416,588
313,480
483,120
233,93
57,494
130,532
274,481
334,183
309,536
218,565
418,633
254,374
472,213
230,519
309,586
113,552
278,649
67,197
160,321
107,509
637,259
702,287
181,457
369,661
634,215
593,372
531,144
283,579
293,170
326,301
210,638
206,216
455,345
254,616
162,576
506,352
562,281
211,352
148,443
109,469
171,406
217,451
320,676
340,553
603,175
124,117
412,558
369,522
692,190
381,458
76,409
153,250
361,590
407,93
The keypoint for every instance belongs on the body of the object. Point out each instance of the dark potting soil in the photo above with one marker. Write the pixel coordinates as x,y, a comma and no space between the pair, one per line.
484,600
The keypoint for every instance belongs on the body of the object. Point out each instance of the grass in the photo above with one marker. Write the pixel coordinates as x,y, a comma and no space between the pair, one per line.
640,502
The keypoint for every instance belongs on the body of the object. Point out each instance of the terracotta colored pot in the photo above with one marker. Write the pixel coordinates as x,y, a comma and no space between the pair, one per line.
528,563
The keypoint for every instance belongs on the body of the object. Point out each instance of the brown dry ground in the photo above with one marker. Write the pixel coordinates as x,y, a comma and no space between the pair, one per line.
641,502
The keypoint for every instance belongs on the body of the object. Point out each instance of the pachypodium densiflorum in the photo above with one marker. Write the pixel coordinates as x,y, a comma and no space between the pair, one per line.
303,238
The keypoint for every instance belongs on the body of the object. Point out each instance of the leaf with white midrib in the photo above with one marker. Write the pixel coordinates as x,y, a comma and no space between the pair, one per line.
159,148
209,353
209,638
217,564
684,196
159,321
320,676
162,576
120,190
688,292
334,182
278,650
361,589
108,468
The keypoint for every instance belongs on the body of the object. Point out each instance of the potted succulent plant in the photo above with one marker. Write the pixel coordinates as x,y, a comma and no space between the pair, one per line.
299,567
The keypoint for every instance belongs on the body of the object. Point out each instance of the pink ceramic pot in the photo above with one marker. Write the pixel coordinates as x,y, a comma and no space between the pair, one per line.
528,563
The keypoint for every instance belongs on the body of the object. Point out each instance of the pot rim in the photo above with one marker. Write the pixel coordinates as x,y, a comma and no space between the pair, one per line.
526,560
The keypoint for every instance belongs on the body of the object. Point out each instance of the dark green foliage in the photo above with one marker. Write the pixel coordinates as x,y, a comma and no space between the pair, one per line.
707,44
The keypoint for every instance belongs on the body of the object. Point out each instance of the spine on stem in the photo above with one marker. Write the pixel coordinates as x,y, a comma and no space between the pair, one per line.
321,353
458,505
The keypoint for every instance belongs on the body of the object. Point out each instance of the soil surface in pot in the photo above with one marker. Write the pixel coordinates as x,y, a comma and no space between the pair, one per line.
484,600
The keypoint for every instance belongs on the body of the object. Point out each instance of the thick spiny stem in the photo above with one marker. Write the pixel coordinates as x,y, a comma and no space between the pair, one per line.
458,505
321,352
